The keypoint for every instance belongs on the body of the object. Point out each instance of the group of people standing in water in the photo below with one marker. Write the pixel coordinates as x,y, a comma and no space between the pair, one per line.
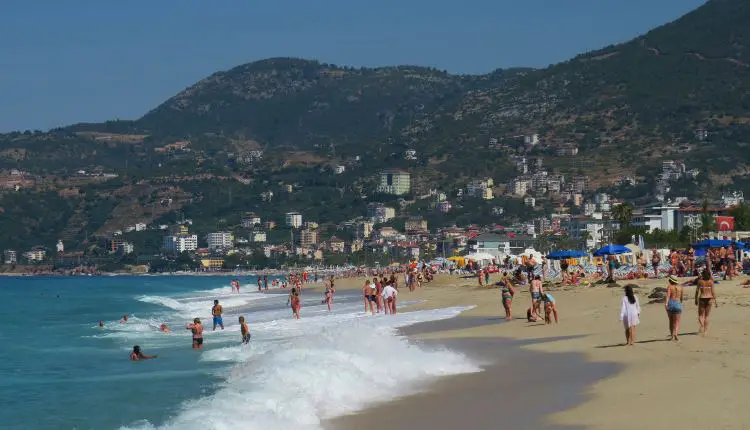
380,294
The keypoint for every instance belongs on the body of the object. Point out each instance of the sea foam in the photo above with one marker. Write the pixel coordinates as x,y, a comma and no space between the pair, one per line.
295,374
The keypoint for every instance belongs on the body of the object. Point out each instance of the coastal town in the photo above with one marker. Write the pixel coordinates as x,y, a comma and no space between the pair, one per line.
386,234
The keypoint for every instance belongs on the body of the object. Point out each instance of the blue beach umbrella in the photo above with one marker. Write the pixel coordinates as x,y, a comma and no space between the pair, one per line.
712,243
611,250
565,254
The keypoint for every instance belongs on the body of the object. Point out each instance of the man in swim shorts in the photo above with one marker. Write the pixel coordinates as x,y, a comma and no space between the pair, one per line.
197,328
216,311
244,331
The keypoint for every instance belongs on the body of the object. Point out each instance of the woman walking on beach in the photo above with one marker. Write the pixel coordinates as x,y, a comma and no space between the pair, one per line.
630,314
704,296
673,305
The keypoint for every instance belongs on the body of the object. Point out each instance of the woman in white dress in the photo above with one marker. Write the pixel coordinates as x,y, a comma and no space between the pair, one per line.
630,313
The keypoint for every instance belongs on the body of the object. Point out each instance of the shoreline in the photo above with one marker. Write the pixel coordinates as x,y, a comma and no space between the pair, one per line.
649,375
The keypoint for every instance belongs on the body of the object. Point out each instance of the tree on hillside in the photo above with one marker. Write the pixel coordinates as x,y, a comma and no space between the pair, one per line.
707,220
741,214
623,213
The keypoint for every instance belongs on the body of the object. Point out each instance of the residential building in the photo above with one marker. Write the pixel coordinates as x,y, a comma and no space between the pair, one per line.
140,226
415,225
380,213
394,181
258,236
520,186
410,154
336,245
10,256
125,248
220,240
310,225
532,139
481,189
308,238
266,196
212,263
387,233
354,246
249,220
36,254
595,229
180,242
363,230
60,247
567,150
293,219
734,198
529,201
339,169
269,225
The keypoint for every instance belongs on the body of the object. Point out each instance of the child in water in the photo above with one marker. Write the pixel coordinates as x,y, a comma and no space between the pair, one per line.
138,355
244,331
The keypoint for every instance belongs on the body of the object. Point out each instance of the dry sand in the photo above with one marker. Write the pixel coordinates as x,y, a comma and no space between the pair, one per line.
580,375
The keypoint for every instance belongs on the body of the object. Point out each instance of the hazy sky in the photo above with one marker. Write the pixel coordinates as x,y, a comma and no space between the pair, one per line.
71,61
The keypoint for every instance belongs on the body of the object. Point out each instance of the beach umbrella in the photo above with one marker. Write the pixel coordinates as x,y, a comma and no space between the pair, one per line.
565,254
711,243
611,250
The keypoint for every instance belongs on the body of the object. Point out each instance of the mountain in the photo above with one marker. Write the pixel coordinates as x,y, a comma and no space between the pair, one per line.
680,91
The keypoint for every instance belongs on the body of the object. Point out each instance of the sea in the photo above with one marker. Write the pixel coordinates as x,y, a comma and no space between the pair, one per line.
61,370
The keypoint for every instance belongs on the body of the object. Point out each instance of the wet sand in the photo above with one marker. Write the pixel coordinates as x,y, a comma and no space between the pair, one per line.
517,389
704,377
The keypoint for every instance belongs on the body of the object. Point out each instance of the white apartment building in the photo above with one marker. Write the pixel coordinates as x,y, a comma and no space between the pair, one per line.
180,242
293,219
220,240
258,237
520,186
380,213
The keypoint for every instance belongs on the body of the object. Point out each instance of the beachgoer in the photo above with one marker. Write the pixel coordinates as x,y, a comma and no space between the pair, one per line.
138,355
368,295
265,282
237,285
294,300
379,294
244,331
260,284
673,305
536,289
630,313
101,323
216,311
197,328
390,294
705,294
655,261
328,297
124,319
163,328
550,308
506,294
531,266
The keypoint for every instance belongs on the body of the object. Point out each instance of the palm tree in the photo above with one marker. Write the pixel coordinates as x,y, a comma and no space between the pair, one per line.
623,213
585,236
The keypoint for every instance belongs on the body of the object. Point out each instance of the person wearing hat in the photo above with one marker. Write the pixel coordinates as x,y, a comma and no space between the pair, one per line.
673,305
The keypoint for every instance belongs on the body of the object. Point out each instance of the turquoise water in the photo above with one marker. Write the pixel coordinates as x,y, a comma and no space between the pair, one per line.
62,371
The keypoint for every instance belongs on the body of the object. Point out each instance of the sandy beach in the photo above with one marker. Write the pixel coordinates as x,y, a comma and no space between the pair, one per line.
576,374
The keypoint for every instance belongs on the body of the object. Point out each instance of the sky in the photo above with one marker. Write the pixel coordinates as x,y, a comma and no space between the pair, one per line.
64,62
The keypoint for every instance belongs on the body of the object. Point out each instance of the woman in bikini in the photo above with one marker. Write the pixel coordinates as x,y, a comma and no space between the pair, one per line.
295,302
673,305
705,297
506,293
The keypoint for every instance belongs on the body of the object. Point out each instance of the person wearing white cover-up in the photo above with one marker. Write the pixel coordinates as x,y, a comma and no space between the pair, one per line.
630,313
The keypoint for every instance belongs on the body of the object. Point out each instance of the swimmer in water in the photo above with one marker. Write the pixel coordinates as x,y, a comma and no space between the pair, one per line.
124,319
101,323
197,328
216,311
163,328
244,331
138,355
